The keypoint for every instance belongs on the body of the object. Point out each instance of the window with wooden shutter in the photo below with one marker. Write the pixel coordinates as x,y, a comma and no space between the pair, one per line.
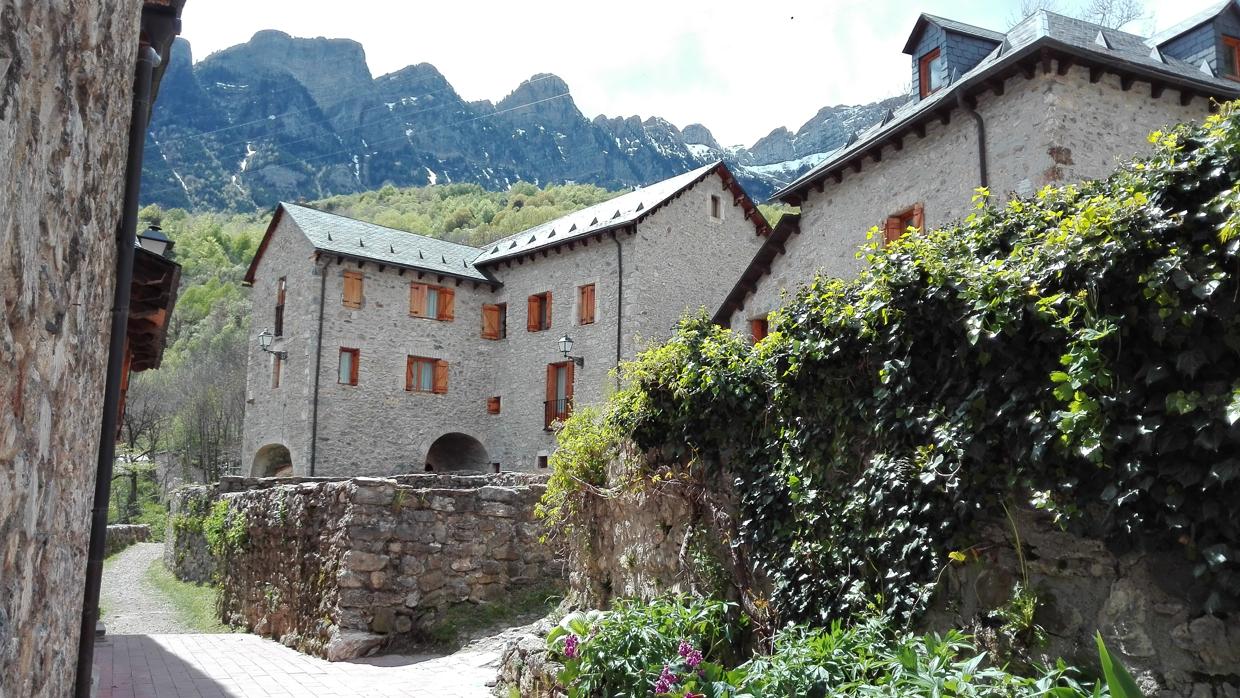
758,328
447,304
493,404
352,297
490,321
441,377
281,286
585,304
420,374
417,299
897,225
347,375
539,312
559,403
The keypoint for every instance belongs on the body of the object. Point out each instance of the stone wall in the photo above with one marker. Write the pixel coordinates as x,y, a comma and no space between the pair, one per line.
66,74
1145,603
121,536
185,547
345,568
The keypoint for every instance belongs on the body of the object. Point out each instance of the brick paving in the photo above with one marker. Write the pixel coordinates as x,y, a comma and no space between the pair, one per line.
245,666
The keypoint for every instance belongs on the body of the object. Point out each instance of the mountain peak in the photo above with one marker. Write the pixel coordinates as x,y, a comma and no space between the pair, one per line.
700,135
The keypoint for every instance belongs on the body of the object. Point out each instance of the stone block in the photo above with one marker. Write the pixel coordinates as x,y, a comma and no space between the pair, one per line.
360,561
443,504
378,579
504,495
413,598
383,621
431,581
504,511
463,565
352,645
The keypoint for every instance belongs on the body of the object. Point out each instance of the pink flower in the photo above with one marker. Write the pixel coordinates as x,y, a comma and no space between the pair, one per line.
691,656
570,646
667,680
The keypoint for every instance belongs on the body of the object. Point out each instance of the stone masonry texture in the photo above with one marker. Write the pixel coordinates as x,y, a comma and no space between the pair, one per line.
1047,130
347,567
678,259
66,72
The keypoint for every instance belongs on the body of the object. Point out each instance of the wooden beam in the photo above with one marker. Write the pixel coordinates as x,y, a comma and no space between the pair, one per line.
382,267
856,165
945,116
1065,64
898,142
877,154
1156,89
420,275
837,176
1045,60
996,86
1029,70
339,259
400,272
1125,82
818,186
920,130
1095,73
1186,96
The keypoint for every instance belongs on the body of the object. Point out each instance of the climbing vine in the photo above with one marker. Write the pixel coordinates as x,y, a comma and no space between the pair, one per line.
1077,350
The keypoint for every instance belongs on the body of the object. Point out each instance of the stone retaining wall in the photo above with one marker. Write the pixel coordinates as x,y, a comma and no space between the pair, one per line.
346,568
121,536
185,547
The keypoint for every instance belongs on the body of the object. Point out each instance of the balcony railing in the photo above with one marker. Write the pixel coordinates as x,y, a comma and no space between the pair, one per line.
556,411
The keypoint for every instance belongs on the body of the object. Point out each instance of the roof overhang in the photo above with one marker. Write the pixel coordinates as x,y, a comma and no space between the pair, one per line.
153,295
759,267
1027,60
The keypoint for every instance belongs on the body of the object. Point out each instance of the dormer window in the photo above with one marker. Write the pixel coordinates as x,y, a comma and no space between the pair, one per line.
1229,59
929,73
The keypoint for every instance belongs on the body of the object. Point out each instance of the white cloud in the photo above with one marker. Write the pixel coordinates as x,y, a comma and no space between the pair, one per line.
740,68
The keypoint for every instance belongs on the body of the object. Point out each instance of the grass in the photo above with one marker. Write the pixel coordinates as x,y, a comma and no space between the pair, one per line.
462,622
195,604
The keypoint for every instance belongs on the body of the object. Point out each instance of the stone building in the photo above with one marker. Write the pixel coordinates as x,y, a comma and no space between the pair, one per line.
67,98
394,352
1053,100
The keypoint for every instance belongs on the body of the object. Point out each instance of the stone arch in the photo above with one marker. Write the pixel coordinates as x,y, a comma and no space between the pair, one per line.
457,451
272,460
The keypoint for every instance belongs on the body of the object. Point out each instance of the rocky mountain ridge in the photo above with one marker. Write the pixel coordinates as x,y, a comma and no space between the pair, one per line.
284,118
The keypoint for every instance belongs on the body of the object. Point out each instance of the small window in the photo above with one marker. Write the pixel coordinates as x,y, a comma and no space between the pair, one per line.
493,405
897,225
281,286
436,302
495,467
929,73
352,297
539,317
559,404
277,365
542,462
758,328
1229,58
425,375
585,304
348,366
494,321
716,207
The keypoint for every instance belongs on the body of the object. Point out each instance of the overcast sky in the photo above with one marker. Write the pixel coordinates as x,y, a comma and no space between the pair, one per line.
742,69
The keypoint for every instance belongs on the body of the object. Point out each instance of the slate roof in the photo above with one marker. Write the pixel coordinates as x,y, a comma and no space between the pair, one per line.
1042,30
340,235
613,213
950,25
1189,24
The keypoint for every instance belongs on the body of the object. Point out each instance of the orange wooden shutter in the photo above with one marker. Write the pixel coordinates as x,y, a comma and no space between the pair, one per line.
417,299
533,322
440,384
447,304
493,405
757,328
894,229
568,388
551,382
585,305
408,373
490,321
547,310
352,289
919,218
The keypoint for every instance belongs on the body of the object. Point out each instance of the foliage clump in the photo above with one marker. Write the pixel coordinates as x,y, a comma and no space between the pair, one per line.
587,445
225,529
1077,351
685,648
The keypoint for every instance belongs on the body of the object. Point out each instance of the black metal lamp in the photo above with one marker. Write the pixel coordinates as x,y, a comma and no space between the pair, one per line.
566,345
264,343
153,240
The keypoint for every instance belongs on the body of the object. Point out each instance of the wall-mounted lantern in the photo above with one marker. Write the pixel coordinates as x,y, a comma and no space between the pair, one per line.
264,343
153,240
566,345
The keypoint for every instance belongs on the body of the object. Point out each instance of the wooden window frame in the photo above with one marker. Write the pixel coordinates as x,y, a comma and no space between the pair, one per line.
923,72
586,304
344,291
445,301
552,410
494,404
353,366
759,328
438,369
281,292
1232,44
540,320
898,224
716,207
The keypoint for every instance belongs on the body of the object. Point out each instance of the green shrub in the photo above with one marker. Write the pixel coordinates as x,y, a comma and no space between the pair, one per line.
586,444
1077,351
224,529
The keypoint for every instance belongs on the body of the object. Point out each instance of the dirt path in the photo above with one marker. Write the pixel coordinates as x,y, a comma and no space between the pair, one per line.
133,605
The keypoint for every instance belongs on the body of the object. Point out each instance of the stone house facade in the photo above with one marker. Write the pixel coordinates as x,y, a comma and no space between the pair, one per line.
410,352
1053,100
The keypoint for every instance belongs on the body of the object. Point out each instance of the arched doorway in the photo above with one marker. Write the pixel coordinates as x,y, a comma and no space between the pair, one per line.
457,451
272,460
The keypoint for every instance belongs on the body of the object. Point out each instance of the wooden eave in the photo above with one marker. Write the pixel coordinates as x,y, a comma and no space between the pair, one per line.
153,295
759,267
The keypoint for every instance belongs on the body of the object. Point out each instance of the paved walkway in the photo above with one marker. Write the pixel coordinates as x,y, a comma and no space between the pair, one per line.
245,666
133,604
